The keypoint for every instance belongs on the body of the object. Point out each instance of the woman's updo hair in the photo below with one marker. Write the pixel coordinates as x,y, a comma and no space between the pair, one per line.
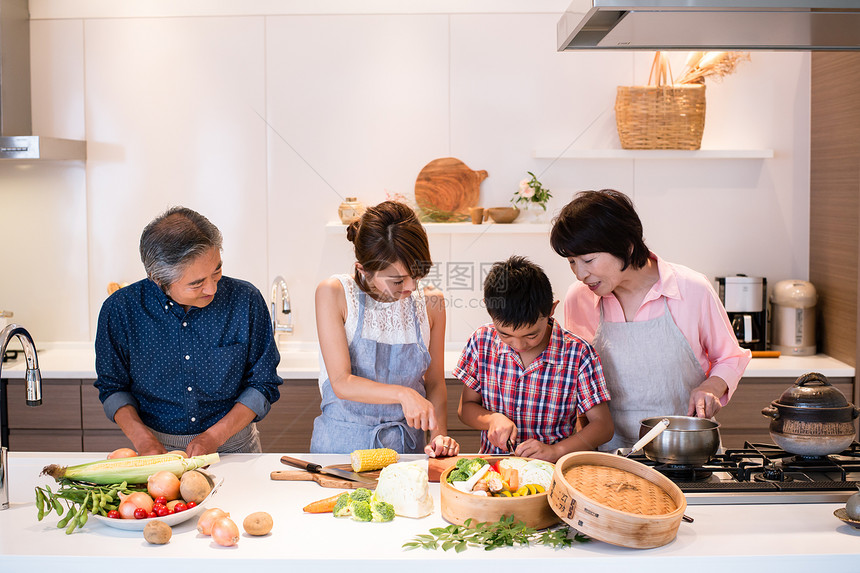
389,233
602,221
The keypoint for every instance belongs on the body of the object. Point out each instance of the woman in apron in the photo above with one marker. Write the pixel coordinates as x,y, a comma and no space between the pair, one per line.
382,342
663,337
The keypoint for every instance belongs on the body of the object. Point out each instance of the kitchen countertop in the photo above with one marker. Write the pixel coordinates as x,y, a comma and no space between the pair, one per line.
301,362
785,538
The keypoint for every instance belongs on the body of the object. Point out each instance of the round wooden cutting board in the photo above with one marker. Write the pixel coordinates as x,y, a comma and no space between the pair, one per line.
446,189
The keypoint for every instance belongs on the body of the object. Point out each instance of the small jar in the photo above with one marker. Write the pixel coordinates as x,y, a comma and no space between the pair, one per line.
350,210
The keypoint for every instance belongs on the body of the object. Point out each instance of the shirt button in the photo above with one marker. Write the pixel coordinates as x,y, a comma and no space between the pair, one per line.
189,388
187,357
184,324
193,419
518,409
165,307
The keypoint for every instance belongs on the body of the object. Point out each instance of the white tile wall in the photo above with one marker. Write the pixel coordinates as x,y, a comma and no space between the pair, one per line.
265,121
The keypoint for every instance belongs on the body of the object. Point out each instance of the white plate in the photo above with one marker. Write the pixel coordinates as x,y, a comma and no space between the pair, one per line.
172,519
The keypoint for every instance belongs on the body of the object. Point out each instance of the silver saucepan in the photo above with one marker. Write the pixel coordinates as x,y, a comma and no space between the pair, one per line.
686,441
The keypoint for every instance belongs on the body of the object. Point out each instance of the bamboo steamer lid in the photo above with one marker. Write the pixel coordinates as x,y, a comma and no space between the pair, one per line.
616,500
458,506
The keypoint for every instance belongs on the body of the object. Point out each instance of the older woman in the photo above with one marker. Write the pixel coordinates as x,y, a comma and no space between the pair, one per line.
186,358
663,337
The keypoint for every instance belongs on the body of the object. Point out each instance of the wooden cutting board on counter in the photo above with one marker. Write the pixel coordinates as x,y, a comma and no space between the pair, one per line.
325,480
446,189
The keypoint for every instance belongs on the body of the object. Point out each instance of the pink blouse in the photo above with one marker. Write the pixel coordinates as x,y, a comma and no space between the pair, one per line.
694,306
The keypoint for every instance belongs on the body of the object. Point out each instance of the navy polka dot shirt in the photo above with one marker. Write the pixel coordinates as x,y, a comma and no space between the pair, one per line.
183,371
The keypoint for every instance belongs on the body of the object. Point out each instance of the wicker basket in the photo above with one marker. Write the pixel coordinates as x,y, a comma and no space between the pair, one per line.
660,117
616,500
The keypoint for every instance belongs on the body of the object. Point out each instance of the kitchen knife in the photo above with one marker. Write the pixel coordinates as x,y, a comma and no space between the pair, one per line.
318,469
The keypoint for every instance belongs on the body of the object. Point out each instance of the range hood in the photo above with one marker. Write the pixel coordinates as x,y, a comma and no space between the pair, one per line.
16,139
828,25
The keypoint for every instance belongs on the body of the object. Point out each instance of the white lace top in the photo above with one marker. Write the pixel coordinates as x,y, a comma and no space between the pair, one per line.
386,322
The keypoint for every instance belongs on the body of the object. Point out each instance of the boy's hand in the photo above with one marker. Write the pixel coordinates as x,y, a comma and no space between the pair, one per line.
538,450
501,430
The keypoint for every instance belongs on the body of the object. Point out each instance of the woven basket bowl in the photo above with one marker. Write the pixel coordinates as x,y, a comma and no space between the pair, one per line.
666,117
616,500
457,506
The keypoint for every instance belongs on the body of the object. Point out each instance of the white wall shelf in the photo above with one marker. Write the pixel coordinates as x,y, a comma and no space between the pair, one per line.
467,228
654,154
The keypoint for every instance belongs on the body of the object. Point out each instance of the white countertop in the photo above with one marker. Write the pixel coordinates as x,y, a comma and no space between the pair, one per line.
78,361
784,538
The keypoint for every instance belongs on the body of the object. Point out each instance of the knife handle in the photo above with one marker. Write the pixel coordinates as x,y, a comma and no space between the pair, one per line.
311,467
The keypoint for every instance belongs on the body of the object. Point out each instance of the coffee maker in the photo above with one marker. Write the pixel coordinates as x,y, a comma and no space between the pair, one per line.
745,300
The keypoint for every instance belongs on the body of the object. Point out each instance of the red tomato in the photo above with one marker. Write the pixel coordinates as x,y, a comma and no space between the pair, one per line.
113,514
151,514
161,499
155,506
179,507
190,504
162,511
140,513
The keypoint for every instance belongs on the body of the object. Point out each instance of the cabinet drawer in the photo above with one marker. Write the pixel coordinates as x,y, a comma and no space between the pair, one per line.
61,406
455,388
289,424
92,413
45,440
105,440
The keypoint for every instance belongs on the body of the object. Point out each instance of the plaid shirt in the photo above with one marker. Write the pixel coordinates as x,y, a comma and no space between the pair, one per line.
543,399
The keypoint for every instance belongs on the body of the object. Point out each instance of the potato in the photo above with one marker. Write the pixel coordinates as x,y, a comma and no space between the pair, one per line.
157,532
259,523
194,486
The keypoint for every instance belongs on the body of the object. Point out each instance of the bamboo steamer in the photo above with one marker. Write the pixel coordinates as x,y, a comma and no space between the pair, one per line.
458,506
616,500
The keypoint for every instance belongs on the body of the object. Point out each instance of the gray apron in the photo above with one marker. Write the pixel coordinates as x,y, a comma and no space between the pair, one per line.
345,425
245,441
650,370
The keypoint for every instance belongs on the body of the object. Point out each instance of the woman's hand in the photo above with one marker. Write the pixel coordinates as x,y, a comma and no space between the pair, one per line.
501,430
417,410
442,446
705,399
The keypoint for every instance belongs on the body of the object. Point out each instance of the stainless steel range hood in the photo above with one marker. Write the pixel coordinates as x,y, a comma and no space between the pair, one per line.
16,139
831,25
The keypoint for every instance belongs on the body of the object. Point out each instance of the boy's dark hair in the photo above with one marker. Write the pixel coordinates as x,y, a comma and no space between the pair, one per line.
602,221
517,293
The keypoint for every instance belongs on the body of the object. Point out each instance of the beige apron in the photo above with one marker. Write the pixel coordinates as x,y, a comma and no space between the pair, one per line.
650,370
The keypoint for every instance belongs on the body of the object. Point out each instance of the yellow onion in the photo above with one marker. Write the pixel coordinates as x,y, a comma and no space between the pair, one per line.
122,453
208,518
132,501
225,532
163,483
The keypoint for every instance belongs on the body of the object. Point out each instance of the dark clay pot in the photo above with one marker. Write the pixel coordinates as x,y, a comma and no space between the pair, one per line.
812,418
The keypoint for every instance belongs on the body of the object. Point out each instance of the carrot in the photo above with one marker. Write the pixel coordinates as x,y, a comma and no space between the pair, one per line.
322,506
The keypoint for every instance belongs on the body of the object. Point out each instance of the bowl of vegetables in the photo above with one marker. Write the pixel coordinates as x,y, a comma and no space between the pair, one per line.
487,489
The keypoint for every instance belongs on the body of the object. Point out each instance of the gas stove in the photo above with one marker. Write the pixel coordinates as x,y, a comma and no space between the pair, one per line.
764,473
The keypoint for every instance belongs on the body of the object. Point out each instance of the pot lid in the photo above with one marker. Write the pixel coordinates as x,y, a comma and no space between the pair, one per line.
813,390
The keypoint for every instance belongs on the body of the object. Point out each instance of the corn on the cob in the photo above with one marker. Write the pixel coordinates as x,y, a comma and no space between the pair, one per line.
129,470
376,459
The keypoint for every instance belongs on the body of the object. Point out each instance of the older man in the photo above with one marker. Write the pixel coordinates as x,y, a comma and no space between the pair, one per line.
186,358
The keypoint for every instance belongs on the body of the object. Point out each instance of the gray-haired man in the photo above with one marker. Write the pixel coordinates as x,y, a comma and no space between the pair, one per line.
186,358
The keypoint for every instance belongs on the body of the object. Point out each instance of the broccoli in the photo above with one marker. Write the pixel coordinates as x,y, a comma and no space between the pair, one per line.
361,494
458,475
475,465
343,506
462,463
361,511
382,511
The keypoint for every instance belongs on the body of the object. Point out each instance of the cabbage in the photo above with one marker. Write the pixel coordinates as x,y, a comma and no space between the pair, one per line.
537,472
405,486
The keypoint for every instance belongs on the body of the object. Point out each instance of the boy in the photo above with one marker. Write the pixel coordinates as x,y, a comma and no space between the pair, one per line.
526,378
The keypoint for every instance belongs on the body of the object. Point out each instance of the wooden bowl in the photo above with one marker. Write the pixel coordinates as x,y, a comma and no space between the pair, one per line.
458,506
616,500
503,214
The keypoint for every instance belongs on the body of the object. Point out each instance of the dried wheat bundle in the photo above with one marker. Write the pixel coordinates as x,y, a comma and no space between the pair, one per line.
701,65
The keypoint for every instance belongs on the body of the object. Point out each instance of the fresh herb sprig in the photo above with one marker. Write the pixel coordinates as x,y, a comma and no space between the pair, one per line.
80,499
491,535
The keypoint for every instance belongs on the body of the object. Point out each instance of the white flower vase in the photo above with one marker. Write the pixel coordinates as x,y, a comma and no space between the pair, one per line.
533,213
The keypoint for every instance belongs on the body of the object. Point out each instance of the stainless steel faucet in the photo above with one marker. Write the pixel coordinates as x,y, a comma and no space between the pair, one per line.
34,392
281,306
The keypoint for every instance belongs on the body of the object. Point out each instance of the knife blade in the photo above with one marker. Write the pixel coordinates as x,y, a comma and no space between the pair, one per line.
318,469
